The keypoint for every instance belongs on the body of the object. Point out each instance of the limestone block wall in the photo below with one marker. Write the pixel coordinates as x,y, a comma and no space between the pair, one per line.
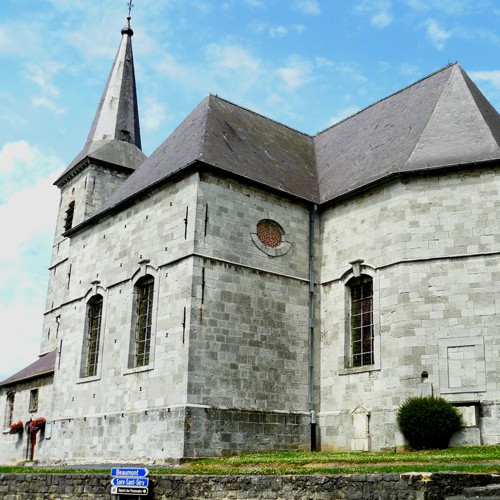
88,190
249,331
149,436
248,345
153,237
432,246
228,213
213,431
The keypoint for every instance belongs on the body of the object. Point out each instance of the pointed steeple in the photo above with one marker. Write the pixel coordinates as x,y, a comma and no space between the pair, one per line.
117,117
114,136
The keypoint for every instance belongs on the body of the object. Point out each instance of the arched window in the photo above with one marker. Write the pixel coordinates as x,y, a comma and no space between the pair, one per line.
361,321
140,347
9,409
92,335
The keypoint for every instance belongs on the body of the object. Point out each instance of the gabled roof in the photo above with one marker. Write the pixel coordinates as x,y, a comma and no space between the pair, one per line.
43,366
115,135
441,120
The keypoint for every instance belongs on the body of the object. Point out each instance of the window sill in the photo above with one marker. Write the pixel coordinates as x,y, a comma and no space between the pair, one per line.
84,380
359,369
138,369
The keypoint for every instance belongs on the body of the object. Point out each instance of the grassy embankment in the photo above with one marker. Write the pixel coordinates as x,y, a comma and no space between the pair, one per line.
475,459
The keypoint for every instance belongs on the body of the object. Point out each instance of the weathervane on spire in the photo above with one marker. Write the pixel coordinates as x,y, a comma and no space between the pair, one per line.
130,6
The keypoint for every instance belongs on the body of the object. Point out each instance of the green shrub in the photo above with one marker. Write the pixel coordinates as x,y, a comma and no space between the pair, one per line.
428,422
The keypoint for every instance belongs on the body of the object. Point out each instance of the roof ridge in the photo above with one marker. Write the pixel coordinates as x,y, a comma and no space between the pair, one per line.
261,115
481,101
388,97
429,118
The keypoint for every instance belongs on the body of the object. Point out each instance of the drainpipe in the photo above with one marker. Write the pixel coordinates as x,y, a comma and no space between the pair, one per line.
310,375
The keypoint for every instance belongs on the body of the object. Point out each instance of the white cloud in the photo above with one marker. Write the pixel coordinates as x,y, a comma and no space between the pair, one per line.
153,115
19,39
295,74
490,77
227,57
307,7
15,153
409,70
231,68
50,104
381,20
27,217
489,82
172,68
298,28
278,31
21,165
453,7
341,68
378,10
42,75
436,34
257,4
342,114
23,324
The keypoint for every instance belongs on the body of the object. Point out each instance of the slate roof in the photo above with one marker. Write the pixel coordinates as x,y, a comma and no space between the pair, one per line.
44,365
440,121
115,135
235,140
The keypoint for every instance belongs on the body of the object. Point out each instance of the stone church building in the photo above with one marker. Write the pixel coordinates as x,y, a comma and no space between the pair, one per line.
249,287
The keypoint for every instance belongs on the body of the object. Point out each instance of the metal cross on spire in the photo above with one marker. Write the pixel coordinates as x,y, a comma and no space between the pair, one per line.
130,6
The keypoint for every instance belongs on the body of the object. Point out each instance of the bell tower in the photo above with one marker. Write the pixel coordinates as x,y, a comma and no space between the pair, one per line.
111,153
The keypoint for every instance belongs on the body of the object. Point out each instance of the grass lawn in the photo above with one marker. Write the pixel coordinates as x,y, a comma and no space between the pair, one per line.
474,459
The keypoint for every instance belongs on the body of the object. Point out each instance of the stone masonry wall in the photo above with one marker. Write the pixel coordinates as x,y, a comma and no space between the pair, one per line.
410,486
432,246
224,432
154,237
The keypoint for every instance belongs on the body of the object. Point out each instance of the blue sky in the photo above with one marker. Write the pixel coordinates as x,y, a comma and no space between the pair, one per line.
305,63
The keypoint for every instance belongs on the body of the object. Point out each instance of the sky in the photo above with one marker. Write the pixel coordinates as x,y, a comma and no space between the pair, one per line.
304,63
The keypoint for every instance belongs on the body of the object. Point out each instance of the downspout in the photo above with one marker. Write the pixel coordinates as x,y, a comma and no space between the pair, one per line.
310,375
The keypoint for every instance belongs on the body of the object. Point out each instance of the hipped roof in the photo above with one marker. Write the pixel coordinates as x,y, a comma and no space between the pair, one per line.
440,121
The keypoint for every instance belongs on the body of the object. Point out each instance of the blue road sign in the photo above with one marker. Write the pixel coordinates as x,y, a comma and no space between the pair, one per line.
129,472
134,482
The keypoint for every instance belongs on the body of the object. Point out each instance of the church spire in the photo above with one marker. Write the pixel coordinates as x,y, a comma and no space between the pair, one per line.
117,117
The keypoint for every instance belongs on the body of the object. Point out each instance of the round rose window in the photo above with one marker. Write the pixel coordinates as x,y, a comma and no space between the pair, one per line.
269,233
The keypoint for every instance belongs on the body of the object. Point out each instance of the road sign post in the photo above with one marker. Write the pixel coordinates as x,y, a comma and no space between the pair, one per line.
129,481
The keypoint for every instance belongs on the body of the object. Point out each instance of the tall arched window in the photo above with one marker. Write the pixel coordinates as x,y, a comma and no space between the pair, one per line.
142,322
92,335
361,321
